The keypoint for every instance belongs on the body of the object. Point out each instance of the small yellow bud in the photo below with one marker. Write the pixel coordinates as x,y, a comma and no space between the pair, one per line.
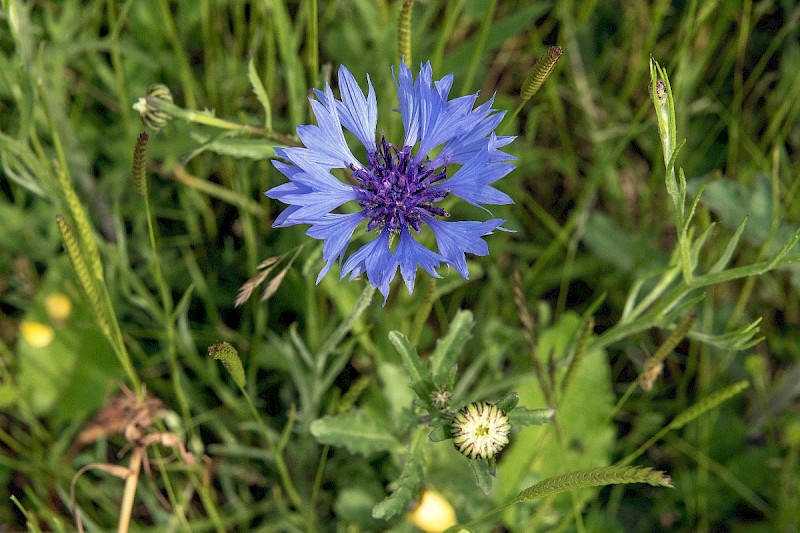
36,334
58,307
434,513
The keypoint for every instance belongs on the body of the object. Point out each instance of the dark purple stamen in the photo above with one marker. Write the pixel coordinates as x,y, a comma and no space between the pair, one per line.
394,188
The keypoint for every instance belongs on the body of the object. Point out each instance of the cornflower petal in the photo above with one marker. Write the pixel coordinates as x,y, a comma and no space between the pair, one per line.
335,231
454,239
325,140
472,181
358,114
409,253
312,176
409,104
482,122
374,258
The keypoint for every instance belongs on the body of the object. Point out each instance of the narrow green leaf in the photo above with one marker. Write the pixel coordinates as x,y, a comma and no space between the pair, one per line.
697,246
355,430
347,324
443,359
784,250
696,200
723,260
522,416
292,69
261,93
421,381
21,165
737,340
183,304
596,477
580,350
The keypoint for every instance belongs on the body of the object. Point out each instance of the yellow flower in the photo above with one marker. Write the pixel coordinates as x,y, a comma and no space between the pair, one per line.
434,513
58,307
38,335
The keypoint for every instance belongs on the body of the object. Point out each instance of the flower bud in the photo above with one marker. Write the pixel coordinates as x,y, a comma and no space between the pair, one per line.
148,107
480,430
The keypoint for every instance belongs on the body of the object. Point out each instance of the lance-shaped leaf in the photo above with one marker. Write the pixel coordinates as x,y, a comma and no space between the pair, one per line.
355,430
443,359
406,488
421,382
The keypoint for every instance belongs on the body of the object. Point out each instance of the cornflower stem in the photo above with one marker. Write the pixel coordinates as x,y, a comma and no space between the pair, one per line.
220,123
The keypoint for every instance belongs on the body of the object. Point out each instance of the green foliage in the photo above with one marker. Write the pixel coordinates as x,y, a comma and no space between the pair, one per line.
406,487
355,430
586,436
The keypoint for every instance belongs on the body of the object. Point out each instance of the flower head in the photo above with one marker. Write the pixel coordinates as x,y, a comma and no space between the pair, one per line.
399,189
480,430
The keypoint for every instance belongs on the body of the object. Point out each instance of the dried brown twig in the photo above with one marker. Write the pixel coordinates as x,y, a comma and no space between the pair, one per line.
134,418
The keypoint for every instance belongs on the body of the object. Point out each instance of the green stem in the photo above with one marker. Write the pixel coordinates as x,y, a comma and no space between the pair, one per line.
480,45
312,43
208,120
185,71
167,306
280,464
424,311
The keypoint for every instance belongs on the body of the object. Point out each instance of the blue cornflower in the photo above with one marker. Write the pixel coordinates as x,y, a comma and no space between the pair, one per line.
399,187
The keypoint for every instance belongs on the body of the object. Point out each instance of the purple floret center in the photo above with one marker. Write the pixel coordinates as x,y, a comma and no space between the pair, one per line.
395,188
